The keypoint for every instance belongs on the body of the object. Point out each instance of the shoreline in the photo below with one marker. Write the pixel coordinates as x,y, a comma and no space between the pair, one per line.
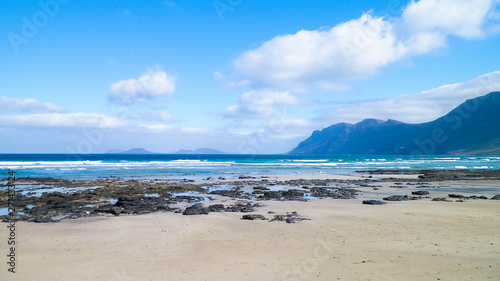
343,240
326,239
52,200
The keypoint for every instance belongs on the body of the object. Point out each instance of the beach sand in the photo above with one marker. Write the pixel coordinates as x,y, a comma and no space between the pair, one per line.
343,240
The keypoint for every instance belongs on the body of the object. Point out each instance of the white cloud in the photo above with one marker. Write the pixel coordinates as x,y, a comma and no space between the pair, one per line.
414,108
463,18
259,104
81,120
27,105
159,128
289,128
195,131
151,85
328,59
162,116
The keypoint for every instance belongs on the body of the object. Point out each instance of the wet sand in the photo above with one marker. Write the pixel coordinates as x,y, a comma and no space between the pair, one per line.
343,240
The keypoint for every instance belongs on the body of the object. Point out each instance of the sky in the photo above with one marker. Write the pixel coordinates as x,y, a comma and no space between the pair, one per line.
239,76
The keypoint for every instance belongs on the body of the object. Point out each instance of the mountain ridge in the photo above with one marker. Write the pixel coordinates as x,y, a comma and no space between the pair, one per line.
472,128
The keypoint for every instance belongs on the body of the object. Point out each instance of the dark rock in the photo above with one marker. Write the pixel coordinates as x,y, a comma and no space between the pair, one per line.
253,217
279,218
441,199
196,209
335,193
289,218
374,202
456,196
242,208
478,197
141,205
228,193
396,198
496,197
216,208
420,192
111,209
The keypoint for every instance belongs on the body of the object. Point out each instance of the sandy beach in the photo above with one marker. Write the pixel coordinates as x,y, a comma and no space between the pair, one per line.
342,240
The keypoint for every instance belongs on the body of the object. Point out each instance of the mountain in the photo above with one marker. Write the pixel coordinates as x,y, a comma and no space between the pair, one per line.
130,151
472,128
199,151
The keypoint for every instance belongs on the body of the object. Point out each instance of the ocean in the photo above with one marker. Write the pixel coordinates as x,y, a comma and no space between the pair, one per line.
145,166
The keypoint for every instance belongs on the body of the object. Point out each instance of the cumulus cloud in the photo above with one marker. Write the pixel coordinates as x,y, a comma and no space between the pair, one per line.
259,104
414,108
328,59
79,120
151,85
27,105
464,18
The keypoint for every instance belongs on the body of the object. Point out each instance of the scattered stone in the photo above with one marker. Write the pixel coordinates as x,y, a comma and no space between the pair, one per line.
216,208
289,218
441,199
253,217
260,188
396,198
374,202
335,193
420,192
196,209
246,177
242,208
478,197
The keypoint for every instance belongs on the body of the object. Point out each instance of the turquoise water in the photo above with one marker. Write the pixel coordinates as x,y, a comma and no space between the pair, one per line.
174,166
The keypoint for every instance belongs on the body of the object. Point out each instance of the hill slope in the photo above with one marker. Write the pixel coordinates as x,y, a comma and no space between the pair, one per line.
473,128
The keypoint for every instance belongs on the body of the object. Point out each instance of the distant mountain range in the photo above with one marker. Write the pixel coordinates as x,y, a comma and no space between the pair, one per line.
182,151
130,151
473,128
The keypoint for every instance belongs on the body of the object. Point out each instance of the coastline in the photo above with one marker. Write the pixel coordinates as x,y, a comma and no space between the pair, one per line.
344,240
340,240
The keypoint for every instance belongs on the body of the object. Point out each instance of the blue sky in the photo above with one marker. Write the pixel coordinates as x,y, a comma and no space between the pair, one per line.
240,76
